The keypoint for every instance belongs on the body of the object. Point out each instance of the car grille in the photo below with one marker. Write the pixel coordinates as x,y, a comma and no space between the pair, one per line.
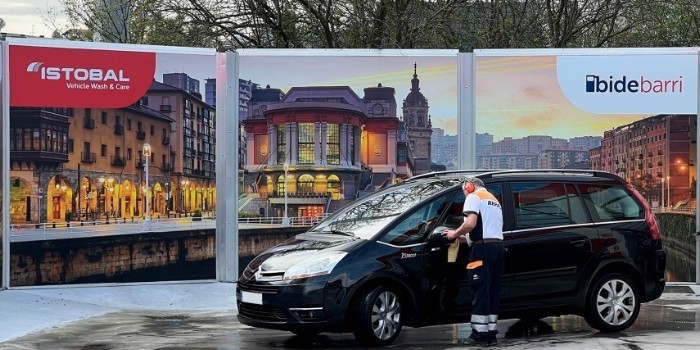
258,288
262,312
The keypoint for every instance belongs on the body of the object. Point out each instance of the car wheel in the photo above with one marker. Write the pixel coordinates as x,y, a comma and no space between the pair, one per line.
377,317
613,303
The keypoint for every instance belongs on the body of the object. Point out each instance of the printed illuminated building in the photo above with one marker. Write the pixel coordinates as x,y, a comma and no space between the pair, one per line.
331,144
85,164
419,126
656,154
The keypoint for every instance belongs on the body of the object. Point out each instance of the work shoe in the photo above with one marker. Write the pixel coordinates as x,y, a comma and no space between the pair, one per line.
471,341
492,337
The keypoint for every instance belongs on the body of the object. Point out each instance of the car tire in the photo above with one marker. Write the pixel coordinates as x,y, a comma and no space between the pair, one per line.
377,317
613,304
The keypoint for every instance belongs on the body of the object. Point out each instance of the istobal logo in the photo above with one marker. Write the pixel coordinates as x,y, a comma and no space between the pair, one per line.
34,67
644,85
77,74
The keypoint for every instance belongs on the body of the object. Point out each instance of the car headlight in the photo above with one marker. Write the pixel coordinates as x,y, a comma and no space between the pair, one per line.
321,264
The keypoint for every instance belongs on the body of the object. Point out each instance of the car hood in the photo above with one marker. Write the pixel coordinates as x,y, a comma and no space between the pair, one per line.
304,246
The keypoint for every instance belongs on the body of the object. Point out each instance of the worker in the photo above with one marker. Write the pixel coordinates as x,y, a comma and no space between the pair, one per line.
483,228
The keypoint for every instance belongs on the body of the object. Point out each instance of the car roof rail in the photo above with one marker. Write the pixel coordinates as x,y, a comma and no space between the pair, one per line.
448,172
489,173
590,172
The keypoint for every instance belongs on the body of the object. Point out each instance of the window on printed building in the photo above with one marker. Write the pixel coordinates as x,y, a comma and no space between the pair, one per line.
306,143
333,144
280,185
36,140
305,184
281,145
351,155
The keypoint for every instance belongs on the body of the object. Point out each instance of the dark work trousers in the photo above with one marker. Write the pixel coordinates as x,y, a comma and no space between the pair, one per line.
484,272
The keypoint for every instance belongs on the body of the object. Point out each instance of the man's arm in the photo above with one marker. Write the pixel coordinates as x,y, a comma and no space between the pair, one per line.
464,229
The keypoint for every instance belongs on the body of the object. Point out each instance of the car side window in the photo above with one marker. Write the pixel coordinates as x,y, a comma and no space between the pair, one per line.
612,202
455,212
413,228
544,204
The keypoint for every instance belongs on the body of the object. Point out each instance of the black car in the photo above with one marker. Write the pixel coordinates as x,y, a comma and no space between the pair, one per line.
577,242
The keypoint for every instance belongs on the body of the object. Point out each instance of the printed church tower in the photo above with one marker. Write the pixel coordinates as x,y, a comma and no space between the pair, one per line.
418,125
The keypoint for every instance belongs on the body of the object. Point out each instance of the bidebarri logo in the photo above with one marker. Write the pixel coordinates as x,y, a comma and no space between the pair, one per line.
643,85
76,74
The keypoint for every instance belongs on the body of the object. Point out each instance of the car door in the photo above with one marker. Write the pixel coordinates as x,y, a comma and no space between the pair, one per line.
450,295
550,243
412,261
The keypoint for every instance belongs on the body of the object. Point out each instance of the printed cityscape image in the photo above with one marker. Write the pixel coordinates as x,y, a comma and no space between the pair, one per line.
362,124
313,140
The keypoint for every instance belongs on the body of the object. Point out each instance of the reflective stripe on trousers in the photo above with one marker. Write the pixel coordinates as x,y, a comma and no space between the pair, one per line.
483,324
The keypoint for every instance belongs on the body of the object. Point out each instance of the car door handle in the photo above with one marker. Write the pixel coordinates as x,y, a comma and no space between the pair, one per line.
434,249
579,242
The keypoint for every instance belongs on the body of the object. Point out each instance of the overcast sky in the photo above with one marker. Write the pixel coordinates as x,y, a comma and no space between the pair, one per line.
437,75
516,96
27,16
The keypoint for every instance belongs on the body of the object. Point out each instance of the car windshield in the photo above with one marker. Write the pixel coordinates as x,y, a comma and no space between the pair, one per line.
367,217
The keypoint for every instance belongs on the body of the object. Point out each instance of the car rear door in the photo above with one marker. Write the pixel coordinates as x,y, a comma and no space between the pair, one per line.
550,243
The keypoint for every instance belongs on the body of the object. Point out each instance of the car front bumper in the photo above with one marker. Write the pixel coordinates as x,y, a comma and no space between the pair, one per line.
296,308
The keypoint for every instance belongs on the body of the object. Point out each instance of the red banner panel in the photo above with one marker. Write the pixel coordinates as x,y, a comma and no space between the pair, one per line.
61,77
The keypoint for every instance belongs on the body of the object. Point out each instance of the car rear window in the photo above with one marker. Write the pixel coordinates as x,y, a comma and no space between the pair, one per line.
545,204
612,202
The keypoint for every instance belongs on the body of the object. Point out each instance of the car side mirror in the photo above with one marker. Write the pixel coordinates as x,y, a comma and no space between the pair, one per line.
437,237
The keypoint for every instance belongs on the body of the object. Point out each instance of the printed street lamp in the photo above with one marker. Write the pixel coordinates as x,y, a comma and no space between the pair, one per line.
147,215
285,218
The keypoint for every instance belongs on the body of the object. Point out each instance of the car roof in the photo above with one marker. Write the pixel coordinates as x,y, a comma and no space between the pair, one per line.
528,174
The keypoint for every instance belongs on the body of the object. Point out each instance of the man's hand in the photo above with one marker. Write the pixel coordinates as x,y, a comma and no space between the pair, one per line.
450,234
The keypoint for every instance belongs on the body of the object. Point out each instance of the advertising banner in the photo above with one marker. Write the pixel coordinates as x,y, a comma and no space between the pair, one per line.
103,140
631,112
337,116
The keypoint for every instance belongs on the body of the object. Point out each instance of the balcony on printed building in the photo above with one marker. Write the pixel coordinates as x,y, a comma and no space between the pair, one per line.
88,123
87,157
38,135
165,140
141,134
118,129
300,197
118,161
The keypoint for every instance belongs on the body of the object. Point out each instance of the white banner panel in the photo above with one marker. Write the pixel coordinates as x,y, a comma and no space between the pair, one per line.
630,84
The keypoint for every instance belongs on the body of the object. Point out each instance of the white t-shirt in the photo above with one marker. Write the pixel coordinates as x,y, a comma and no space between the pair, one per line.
489,223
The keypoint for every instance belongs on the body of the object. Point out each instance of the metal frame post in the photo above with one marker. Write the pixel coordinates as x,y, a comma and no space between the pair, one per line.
697,188
466,115
5,154
227,172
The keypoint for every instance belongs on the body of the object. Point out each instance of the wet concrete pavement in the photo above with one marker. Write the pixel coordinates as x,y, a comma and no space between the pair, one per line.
672,322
